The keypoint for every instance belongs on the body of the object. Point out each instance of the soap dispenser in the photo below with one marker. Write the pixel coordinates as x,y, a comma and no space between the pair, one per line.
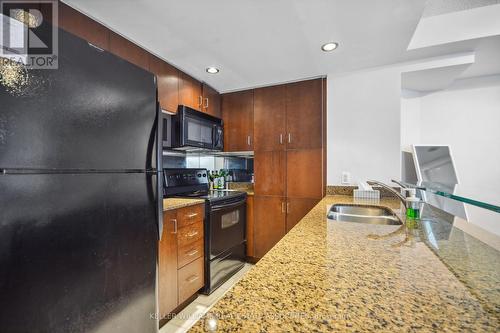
412,204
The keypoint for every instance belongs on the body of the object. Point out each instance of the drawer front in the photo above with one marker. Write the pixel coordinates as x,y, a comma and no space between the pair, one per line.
190,234
191,214
189,253
190,279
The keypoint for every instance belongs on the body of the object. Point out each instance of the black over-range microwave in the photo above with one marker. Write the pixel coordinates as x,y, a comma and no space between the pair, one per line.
190,129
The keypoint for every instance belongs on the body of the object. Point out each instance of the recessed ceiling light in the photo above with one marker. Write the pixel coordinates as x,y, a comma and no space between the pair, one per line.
329,46
212,70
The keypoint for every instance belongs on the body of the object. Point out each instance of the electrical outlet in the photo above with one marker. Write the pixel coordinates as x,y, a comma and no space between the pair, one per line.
346,177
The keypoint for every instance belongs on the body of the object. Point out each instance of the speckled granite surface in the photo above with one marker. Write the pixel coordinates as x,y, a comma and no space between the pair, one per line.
326,276
174,203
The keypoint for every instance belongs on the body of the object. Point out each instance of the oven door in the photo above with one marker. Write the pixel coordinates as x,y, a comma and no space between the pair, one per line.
227,226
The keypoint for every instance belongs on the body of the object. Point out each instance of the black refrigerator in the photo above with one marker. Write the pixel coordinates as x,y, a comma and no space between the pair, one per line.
80,196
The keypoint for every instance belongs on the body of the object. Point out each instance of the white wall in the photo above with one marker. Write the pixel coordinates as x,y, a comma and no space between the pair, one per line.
465,116
410,119
364,125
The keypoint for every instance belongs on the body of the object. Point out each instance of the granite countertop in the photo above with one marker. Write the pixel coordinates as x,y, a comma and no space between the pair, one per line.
328,276
174,203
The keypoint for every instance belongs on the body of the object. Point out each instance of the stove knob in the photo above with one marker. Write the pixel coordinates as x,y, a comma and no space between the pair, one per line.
204,175
199,175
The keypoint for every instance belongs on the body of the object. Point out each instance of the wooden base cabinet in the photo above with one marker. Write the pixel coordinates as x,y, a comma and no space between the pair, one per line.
180,257
250,226
296,209
269,223
167,265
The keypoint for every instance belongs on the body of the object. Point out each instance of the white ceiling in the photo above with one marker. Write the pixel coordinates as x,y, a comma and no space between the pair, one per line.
259,42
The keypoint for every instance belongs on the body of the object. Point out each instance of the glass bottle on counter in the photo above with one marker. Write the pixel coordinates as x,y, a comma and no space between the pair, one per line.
216,180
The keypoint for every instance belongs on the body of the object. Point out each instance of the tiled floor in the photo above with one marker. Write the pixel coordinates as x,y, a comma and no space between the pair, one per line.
194,311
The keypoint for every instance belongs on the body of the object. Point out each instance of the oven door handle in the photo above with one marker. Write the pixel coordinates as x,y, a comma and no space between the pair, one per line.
224,207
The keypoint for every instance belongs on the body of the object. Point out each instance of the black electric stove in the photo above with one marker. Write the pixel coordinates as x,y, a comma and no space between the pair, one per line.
224,225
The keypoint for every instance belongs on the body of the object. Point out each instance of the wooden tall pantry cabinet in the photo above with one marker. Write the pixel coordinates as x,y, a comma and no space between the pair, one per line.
289,144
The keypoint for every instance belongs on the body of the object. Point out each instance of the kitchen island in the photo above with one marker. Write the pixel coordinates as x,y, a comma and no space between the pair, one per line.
329,275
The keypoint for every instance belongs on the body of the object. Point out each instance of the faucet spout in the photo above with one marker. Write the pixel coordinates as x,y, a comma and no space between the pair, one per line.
390,189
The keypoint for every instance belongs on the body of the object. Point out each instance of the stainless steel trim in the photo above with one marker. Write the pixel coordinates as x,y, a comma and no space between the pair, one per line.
192,278
289,137
390,189
281,138
175,225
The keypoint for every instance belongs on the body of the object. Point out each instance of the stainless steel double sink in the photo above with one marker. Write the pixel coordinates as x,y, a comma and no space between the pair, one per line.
363,214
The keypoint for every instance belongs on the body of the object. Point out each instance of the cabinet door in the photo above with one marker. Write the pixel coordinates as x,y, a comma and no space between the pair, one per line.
296,209
211,101
269,172
269,223
127,50
168,83
269,118
84,27
189,91
304,173
237,112
250,226
167,265
304,114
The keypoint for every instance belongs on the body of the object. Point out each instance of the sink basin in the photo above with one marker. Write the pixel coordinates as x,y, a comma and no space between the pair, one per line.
363,214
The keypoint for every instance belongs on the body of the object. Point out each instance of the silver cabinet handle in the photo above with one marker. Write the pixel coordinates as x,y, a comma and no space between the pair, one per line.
190,216
200,101
283,209
192,253
175,225
249,140
206,103
192,234
192,278
281,138
287,207
289,137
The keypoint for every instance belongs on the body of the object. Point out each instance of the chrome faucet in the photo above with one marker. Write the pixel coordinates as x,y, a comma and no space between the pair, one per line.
390,189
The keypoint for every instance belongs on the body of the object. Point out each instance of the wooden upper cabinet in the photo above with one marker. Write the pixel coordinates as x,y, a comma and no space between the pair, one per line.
189,91
304,114
168,83
211,101
127,50
84,27
237,113
269,118
167,265
304,173
269,172
269,223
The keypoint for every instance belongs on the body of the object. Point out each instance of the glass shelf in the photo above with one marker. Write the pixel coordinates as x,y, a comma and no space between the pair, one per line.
456,193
